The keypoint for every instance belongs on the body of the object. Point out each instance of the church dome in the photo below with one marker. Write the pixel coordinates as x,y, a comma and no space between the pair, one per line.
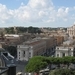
2,63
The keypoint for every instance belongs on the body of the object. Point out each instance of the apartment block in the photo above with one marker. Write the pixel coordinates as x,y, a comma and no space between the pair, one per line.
51,43
59,39
66,49
13,39
30,48
71,31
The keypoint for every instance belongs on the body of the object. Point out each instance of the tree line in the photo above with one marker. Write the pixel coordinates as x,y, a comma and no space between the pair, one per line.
30,29
37,63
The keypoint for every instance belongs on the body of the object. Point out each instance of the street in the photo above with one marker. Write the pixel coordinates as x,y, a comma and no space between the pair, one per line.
20,66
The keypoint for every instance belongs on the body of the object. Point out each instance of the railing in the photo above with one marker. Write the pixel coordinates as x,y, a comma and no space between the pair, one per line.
3,71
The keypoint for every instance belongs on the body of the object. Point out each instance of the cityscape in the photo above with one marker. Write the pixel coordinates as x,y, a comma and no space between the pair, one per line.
37,37
20,44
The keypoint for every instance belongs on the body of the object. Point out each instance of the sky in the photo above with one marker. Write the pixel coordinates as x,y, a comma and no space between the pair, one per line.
37,13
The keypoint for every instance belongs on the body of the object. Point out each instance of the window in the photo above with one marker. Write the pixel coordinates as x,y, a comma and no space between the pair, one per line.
29,54
69,48
63,54
58,48
19,53
23,53
57,55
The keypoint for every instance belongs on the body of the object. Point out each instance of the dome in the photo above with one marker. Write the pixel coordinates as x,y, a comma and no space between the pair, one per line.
1,49
2,63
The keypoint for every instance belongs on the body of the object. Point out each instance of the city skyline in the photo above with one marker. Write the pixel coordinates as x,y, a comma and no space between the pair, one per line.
37,13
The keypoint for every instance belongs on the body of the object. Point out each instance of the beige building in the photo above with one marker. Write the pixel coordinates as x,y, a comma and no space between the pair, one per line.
30,48
71,31
66,49
51,43
13,39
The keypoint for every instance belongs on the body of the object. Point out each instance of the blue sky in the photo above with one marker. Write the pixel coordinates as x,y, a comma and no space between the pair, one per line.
66,3
37,13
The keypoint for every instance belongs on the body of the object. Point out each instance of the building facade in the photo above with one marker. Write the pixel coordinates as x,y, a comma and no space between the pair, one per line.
7,63
30,48
66,49
13,39
51,43
62,51
71,31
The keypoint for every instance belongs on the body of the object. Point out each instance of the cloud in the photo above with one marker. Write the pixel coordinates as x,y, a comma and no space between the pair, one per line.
62,12
4,13
22,3
34,11
39,4
41,11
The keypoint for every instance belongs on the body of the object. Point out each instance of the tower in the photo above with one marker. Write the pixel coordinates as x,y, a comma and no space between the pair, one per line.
15,30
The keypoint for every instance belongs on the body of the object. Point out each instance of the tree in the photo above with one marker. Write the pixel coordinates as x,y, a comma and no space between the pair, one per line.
39,62
62,72
36,64
73,60
2,35
64,60
30,29
57,61
51,61
10,30
67,60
